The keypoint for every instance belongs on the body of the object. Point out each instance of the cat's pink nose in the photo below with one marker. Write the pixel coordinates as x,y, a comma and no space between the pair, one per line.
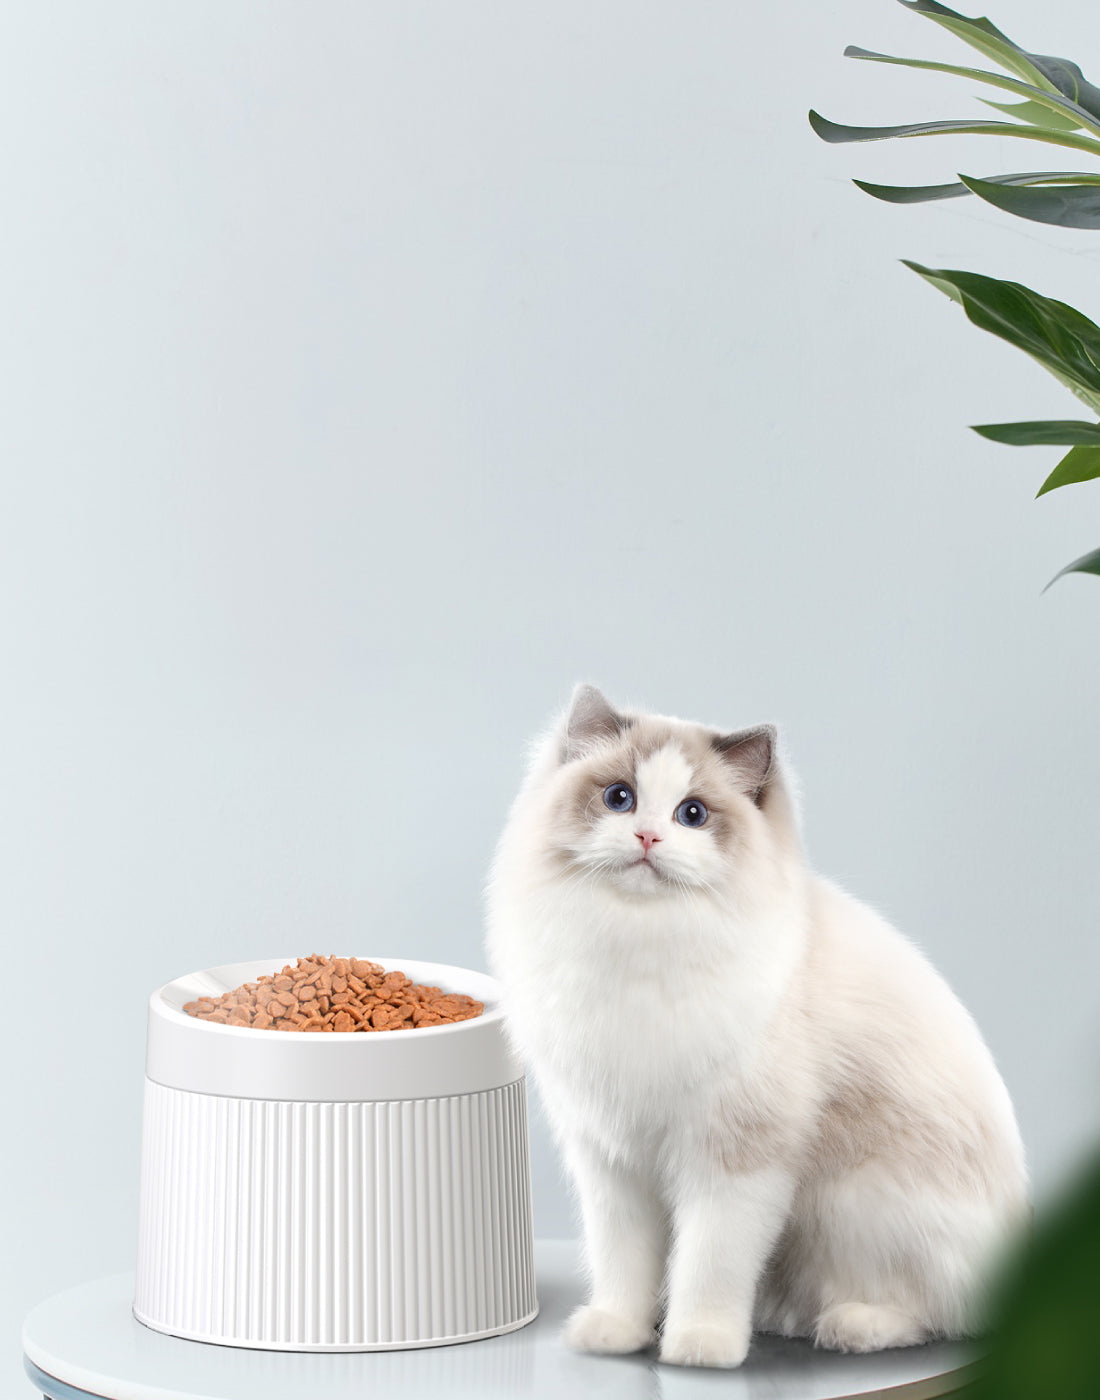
647,838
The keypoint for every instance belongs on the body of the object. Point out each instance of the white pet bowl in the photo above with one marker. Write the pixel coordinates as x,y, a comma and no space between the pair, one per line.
344,1192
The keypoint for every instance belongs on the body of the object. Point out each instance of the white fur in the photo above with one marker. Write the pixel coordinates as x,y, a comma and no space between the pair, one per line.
776,1113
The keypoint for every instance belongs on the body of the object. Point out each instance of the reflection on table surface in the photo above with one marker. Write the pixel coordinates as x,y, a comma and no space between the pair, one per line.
88,1338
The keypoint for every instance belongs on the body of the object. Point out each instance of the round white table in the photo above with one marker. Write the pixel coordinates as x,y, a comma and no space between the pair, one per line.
85,1343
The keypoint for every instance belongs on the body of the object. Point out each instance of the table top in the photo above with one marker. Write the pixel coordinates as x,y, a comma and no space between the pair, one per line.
85,1341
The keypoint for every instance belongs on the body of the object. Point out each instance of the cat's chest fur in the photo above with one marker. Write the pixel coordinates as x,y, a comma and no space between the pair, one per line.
637,1028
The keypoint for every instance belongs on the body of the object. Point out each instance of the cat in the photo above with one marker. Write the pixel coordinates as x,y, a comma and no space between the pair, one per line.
776,1114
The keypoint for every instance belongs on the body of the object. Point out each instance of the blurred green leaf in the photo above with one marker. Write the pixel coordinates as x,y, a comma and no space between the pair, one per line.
837,134
1069,206
1050,108
1047,1339
921,194
1062,432
1079,464
1087,564
1062,340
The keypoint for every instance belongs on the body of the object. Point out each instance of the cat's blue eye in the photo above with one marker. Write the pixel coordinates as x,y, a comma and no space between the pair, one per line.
618,797
691,813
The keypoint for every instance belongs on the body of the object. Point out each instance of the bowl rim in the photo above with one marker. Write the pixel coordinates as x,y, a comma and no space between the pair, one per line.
163,1006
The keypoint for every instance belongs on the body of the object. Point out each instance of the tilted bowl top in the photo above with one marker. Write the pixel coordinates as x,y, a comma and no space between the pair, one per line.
209,1057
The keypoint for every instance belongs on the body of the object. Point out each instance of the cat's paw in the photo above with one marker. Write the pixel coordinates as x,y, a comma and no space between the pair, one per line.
705,1344
866,1327
597,1330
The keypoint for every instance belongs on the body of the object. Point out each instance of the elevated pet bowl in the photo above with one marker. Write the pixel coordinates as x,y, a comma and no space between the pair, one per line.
342,1192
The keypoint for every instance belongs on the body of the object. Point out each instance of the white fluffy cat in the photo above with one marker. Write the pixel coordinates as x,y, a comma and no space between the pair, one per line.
776,1113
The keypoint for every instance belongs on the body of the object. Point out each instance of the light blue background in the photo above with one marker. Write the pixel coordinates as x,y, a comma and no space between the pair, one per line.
372,373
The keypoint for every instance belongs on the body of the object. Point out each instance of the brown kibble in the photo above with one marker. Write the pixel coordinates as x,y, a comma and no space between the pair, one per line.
329,994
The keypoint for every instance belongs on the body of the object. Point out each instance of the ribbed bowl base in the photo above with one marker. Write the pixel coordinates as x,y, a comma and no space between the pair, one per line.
335,1226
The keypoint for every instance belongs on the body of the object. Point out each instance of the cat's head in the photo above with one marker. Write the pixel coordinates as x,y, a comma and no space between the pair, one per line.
653,806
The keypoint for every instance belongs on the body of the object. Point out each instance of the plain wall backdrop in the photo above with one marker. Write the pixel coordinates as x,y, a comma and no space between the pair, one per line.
373,372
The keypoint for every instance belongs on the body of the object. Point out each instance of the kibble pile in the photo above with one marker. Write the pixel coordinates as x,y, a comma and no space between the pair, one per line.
335,994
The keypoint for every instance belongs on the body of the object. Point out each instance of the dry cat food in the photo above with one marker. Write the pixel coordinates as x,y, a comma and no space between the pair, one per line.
335,994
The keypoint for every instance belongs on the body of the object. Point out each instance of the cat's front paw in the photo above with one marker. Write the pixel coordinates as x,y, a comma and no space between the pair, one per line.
597,1330
705,1344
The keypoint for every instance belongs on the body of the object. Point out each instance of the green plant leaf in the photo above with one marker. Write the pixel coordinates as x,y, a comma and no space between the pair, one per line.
1087,564
1070,81
837,134
912,194
984,37
1062,340
1063,432
1079,464
1045,1299
1069,206
1033,113
1046,71
921,194
1066,114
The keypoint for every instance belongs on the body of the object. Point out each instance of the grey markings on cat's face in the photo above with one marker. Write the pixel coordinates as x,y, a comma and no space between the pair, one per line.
666,762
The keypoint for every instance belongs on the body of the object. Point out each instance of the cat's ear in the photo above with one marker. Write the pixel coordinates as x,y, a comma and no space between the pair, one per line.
751,752
591,718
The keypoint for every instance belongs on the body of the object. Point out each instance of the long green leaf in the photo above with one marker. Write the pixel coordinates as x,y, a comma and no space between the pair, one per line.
1079,464
921,194
1043,101
1062,340
1069,206
1070,81
1087,564
1033,113
984,37
837,134
1056,74
1062,432
912,194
